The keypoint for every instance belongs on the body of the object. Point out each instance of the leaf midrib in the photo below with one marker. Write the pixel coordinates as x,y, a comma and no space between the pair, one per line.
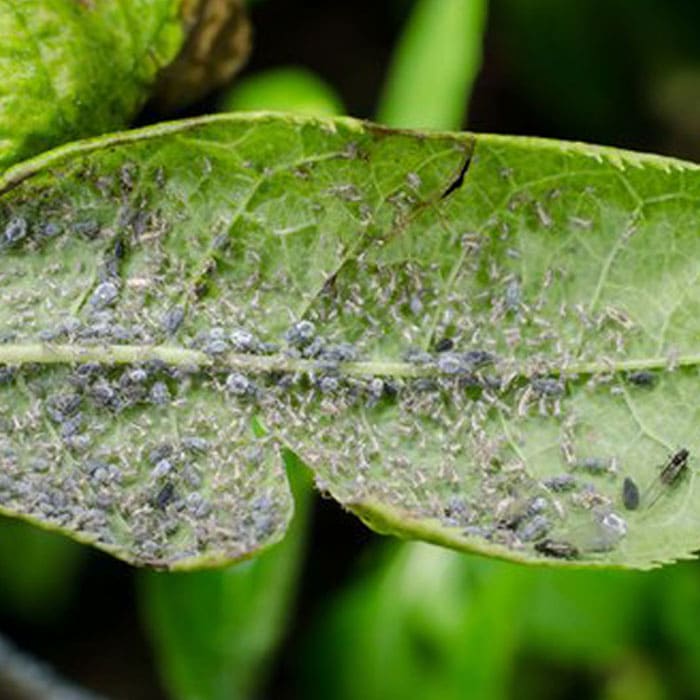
52,354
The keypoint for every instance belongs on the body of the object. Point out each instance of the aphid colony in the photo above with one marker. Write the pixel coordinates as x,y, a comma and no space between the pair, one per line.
116,454
159,457
166,498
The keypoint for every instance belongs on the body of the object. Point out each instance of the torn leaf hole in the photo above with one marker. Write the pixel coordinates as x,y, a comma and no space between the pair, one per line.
459,180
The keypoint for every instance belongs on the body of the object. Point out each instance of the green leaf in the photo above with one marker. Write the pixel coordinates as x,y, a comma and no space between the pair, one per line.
38,570
435,65
414,627
290,89
214,631
73,69
318,266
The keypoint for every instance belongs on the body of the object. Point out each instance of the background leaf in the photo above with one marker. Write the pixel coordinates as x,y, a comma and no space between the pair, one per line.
435,64
540,261
38,570
75,69
290,89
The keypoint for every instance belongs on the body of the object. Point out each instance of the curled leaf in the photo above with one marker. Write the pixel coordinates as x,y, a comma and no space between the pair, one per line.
218,43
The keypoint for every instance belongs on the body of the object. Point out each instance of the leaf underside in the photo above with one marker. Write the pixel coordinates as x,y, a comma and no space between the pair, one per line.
470,339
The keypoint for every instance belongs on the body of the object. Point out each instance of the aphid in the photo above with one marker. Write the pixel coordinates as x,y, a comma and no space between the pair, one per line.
300,334
195,444
416,305
134,376
329,384
104,295
15,231
313,349
127,174
119,248
513,298
671,474
416,356
164,496
60,407
163,468
159,394
642,378
630,494
548,387
450,363
511,512
457,508
239,385
160,452
561,483
375,389
444,345
40,465
589,497
50,229
534,529
614,524
102,393
557,549
72,425
89,228
159,177
596,465
342,352
197,505
216,347
173,319
242,340
424,385
478,358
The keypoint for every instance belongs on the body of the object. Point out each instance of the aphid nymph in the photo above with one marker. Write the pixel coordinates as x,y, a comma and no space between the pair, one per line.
164,496
630,494
557,549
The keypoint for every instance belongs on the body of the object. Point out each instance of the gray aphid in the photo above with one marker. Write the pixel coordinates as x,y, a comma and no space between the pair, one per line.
450,363
239,385
195,444
15,231
162,468
561,483
534,529
548,387
242,340
159,394
300,334
105,294
630,494
173,318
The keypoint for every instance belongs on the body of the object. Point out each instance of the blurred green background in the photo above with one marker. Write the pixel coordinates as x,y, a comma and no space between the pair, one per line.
334,611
